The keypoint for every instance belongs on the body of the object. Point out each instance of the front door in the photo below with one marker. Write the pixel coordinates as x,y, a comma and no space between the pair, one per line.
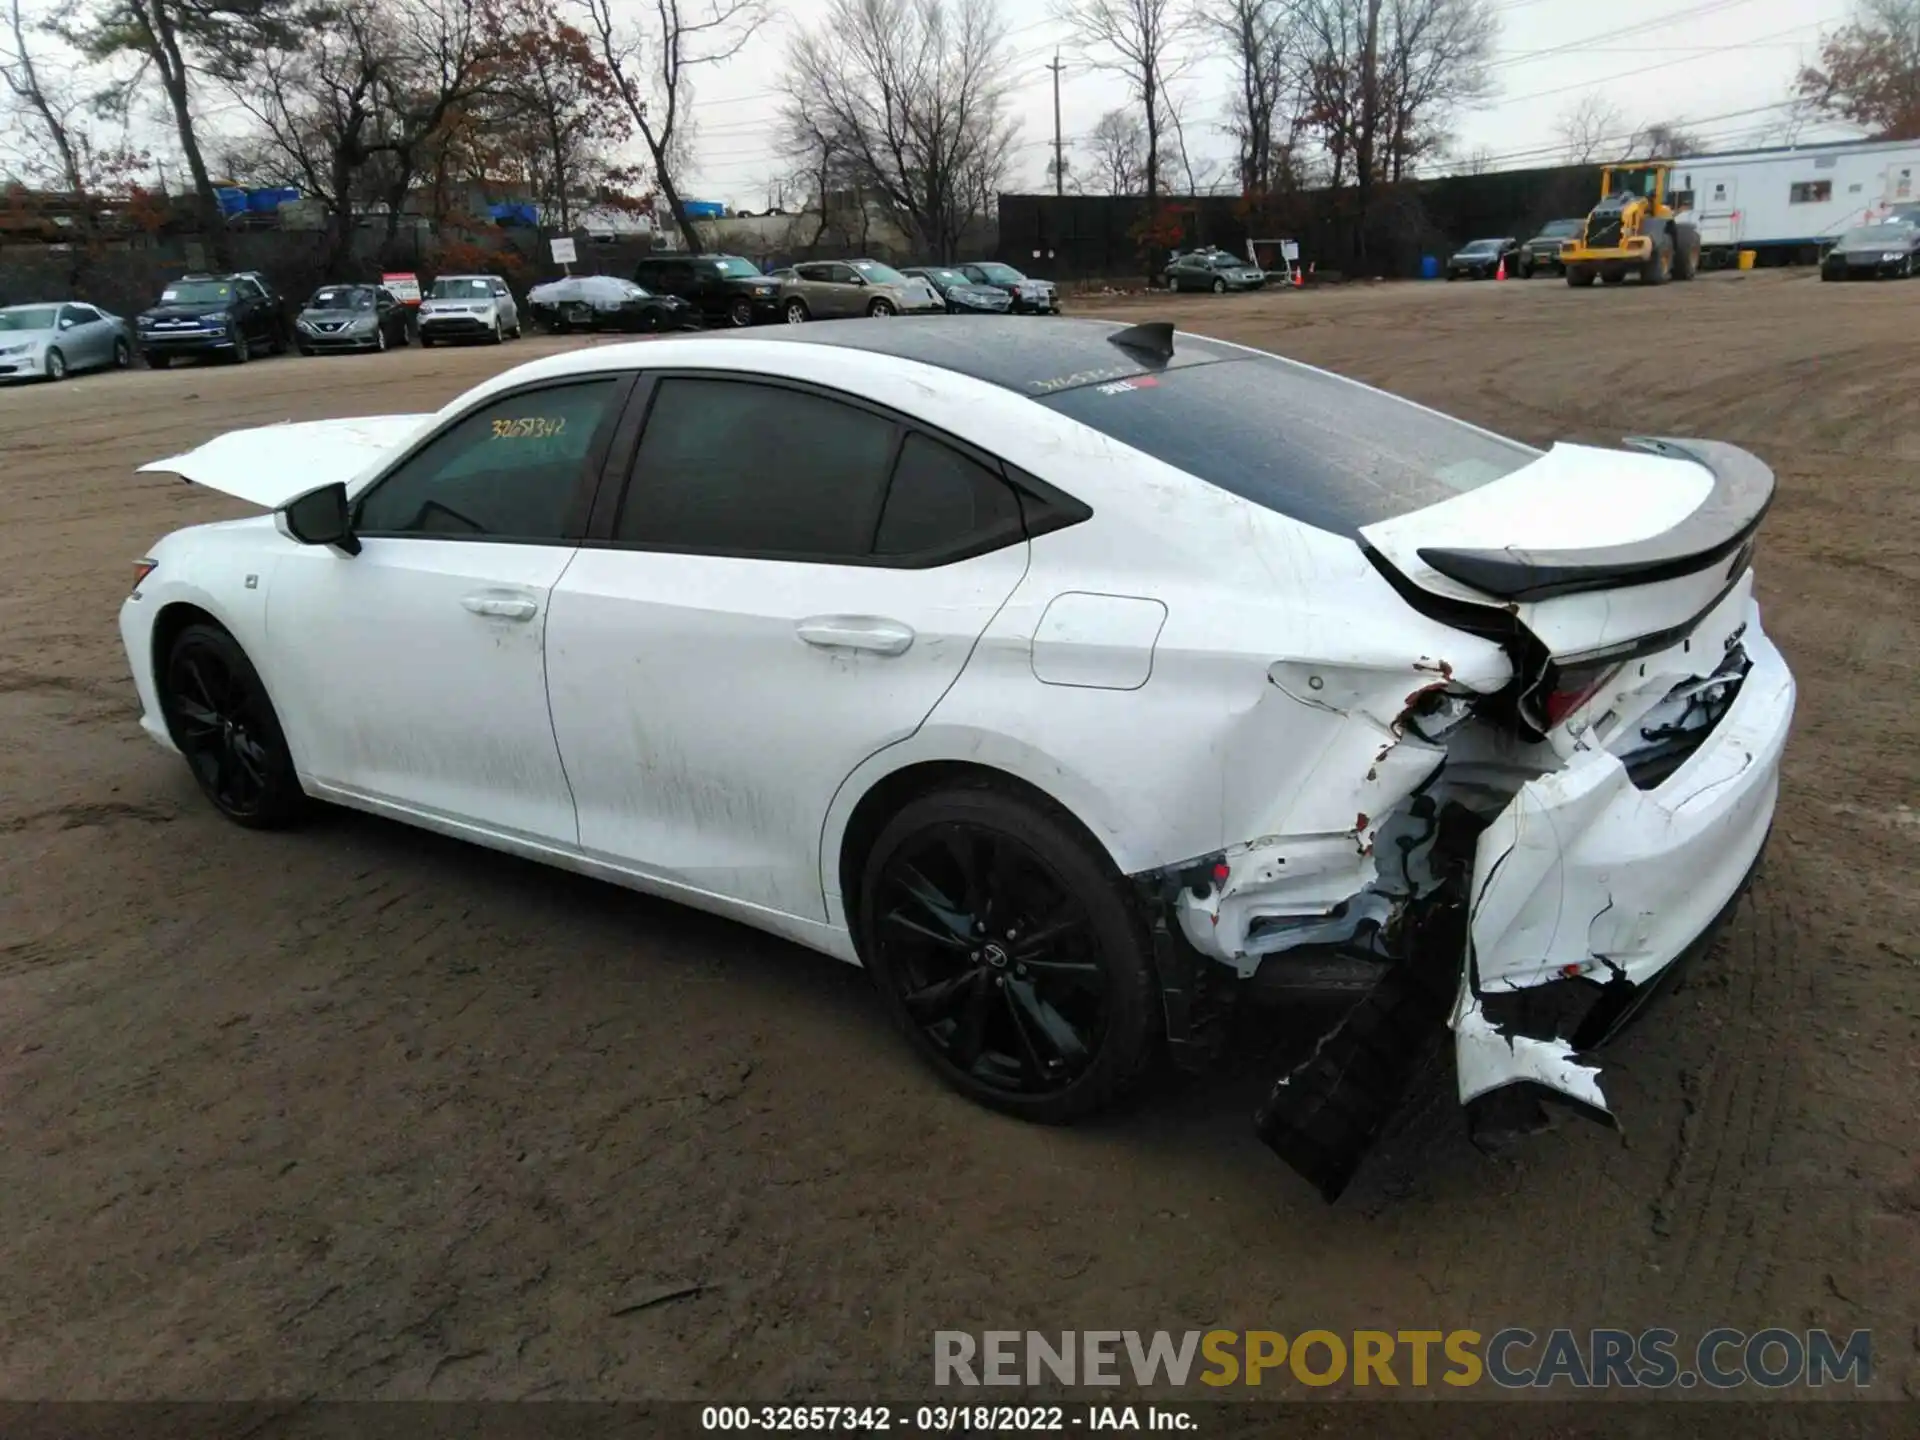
412,674
791,583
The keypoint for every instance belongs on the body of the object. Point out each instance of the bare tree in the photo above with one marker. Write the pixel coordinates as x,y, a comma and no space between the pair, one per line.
652,64
1591,127
1263,37
1869,71
1118,145
1664,140
909,98
1134,39
1434,60
176,43
553,113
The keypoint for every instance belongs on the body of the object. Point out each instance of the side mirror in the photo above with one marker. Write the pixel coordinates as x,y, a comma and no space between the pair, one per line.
320,517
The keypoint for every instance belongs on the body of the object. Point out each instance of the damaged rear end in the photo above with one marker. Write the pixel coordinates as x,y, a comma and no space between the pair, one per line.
1541,831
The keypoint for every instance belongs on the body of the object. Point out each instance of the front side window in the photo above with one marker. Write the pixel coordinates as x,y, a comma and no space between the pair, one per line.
509,470
744,468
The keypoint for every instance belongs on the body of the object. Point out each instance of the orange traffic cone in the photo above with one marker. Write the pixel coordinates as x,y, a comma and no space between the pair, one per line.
1298,283
1501,273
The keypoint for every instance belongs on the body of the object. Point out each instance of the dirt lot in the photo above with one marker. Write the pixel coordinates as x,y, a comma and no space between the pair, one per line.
356,1111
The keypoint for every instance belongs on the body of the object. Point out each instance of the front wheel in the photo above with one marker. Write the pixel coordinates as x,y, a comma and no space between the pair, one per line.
56,365
494,337
797,312
1219,286
219,716
1007,947
242,351
158,362
122,355
881,309
740,313
380,338
1579,276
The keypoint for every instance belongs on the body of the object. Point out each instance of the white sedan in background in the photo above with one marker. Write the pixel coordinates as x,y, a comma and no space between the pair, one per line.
1083,683
53,341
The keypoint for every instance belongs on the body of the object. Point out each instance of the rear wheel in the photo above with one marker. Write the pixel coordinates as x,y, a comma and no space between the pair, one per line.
797,312
1686,260
881,309
218,713
1006,946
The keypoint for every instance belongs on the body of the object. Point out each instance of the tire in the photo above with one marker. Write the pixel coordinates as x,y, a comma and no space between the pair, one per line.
380,339
427,342
242,348
494,337
158,362
122,355
56,370
277,345
219,715
1659,269
307,350
796,312
1612,276
1686,260
881,310
1050,1033
1219,286
740,313
1579,276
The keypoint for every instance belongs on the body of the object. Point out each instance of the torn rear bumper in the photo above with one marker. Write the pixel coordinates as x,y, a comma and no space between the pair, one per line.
1589,889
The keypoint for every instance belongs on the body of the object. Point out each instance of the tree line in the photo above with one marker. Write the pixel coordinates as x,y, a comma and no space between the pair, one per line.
904,107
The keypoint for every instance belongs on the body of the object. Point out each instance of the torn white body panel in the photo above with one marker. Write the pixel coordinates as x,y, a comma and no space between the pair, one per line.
1488,1058
1585,872
273,464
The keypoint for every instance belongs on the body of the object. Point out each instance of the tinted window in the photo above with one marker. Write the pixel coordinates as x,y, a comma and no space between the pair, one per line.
1310,445
508,471
741,467
941,500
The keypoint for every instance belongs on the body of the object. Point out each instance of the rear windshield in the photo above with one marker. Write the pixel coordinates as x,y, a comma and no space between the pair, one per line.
1323,450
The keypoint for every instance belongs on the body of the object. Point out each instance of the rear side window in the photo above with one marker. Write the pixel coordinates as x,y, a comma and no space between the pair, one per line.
1312,446
744,468
940,500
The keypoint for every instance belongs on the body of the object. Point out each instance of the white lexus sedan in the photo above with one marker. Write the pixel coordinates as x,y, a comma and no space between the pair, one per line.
1082,683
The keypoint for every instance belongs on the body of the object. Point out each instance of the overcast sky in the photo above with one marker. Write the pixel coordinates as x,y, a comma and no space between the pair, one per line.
1695,61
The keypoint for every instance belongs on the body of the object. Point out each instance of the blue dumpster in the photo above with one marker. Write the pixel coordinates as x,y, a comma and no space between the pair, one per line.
1429,267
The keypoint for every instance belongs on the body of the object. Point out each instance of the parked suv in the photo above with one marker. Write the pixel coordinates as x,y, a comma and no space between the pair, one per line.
833,289
468,307
232,315
1030,297
1542,252
722,289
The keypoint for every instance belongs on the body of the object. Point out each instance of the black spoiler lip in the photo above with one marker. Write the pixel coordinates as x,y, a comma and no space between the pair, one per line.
1722,525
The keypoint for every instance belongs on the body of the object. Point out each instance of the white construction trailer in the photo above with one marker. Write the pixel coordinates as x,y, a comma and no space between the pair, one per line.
1790,204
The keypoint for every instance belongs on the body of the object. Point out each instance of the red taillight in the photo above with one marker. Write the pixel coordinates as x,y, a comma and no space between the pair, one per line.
142,569
1574,688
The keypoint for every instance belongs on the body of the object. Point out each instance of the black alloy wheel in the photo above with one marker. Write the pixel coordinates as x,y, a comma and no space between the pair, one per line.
221,720
1010,953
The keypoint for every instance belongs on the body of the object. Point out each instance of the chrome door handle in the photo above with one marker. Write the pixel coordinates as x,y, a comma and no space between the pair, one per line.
856,632
501,607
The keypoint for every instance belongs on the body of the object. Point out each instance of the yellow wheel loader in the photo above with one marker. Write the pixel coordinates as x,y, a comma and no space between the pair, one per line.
1634,230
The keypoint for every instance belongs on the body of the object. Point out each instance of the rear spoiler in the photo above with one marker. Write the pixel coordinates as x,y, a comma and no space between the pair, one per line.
1721,525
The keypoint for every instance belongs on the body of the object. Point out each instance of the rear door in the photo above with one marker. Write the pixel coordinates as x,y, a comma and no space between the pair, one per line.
1717,210
790,582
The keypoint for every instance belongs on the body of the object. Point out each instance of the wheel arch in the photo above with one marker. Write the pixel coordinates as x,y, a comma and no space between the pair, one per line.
882,796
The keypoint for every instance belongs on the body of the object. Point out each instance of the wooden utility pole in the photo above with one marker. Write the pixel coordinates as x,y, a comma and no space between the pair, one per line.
1059,146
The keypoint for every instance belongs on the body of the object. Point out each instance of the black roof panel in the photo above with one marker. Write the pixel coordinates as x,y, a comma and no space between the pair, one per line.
1030,355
